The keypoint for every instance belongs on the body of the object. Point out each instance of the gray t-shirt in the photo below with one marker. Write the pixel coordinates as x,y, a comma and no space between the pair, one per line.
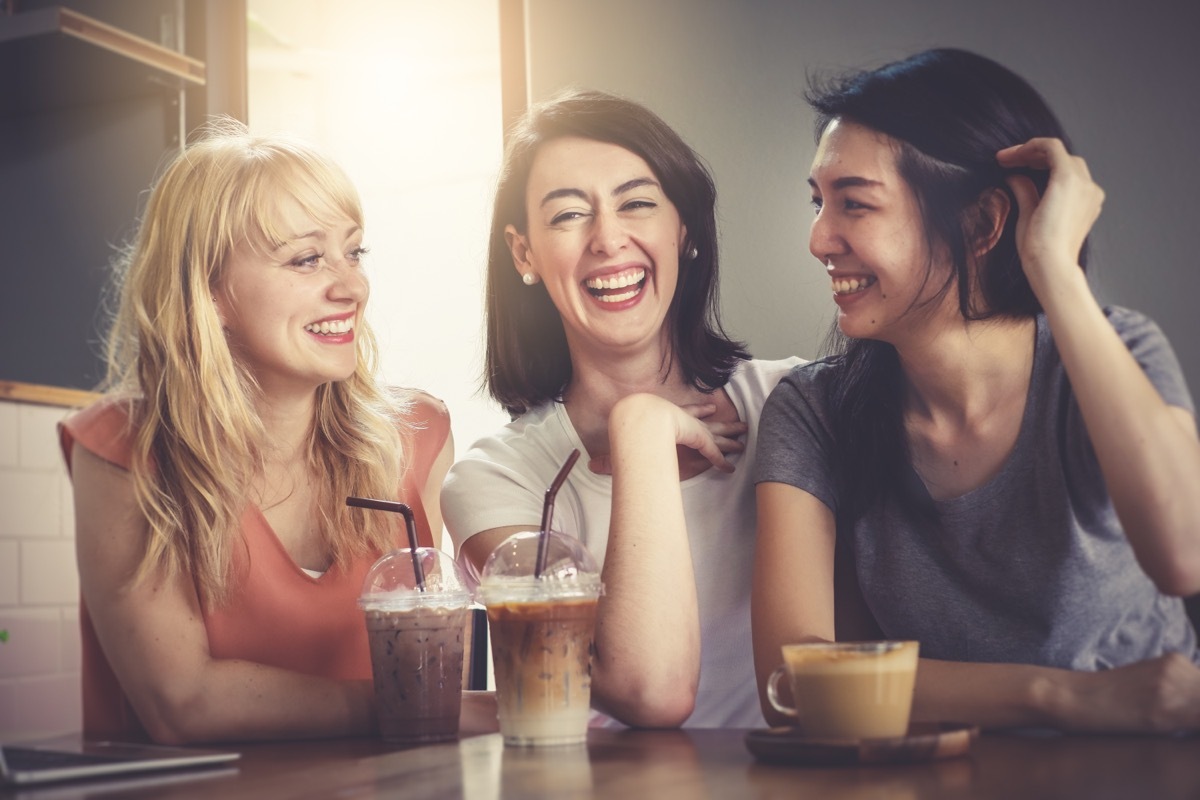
1031,567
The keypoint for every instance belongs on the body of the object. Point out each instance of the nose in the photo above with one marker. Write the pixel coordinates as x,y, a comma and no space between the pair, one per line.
608,234
824,239
348,282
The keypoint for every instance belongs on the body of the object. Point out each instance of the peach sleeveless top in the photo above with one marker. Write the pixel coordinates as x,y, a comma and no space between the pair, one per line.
277,614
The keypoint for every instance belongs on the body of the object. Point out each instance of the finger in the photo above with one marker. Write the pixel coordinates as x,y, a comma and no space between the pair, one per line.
700,410
1037,153
1026,193
706,445
729,445
600,465
729,429
717,458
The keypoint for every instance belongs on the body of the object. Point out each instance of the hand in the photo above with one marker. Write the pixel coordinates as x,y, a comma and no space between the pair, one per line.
711,440
1051,228
1160,695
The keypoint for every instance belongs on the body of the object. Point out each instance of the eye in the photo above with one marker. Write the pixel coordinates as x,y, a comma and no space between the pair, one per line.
355,256
564,217
816,203
853,205
310,261
638,205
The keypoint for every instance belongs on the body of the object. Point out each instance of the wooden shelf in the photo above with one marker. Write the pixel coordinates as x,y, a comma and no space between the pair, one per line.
56,57
15,392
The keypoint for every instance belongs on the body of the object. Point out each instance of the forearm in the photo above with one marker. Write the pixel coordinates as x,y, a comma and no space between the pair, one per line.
988,695
647,632
1148,452
1156,695
238,700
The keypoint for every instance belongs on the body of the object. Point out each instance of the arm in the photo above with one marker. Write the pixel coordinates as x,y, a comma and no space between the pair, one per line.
647,660
647,666
154,637
642,674
1147,450
792,596
794,601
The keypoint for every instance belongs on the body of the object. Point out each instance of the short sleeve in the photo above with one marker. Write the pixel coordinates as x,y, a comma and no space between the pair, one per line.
1154,354
489,488
795,442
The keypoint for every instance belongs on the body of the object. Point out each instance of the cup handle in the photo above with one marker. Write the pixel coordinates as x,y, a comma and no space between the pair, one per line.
773,693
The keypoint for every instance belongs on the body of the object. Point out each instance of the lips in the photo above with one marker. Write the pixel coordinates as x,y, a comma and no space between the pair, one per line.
617,287
848,286
331,327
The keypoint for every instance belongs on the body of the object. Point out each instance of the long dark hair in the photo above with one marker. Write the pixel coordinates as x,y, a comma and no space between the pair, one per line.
949,112
527,360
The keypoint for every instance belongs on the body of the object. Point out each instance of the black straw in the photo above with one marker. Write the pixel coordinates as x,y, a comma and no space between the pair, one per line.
548,511
409,521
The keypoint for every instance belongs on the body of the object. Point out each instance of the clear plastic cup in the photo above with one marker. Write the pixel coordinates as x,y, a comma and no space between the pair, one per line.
542,632
417,643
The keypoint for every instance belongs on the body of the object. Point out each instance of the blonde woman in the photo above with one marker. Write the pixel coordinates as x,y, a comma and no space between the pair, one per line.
219,564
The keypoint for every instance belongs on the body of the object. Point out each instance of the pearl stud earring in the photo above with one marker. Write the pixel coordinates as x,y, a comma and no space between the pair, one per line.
528,278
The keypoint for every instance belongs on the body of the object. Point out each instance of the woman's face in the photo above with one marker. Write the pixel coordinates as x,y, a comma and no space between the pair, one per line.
604,239
290,312
869,233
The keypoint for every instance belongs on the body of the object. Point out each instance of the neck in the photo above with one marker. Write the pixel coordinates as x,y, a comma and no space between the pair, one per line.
965,370
287,422
599,381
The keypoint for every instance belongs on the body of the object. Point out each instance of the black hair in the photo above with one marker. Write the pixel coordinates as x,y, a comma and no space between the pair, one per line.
948,112
527,360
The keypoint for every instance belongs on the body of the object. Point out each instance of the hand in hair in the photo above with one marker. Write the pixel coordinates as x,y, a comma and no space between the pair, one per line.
1052,226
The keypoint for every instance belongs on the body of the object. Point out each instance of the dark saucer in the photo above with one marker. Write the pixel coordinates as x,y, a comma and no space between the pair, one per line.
925,741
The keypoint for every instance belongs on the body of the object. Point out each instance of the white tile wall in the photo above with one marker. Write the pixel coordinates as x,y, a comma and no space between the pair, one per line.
39,583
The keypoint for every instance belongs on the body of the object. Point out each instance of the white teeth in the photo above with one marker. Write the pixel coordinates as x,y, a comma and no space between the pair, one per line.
618,281
851,285
327,327
616,298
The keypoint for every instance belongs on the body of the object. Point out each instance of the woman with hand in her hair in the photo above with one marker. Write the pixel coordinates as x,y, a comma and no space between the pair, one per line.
1009,468
603,336
219,563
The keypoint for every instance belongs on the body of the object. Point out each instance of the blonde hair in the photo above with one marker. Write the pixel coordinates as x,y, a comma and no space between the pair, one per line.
197,437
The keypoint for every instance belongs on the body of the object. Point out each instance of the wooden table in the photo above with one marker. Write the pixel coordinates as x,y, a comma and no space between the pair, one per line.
630,765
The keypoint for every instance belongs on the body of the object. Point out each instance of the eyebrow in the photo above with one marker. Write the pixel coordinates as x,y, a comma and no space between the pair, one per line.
849,182
620,190
315,234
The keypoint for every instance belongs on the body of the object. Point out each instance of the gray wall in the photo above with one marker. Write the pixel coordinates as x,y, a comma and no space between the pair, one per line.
730,76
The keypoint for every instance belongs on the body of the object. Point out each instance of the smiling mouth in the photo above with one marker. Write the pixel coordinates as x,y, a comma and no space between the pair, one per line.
616,288
334,327
847,286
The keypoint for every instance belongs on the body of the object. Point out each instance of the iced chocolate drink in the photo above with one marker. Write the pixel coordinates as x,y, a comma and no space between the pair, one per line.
416,631
542,654
417,662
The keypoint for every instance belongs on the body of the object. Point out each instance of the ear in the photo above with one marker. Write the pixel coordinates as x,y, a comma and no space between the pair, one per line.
992,209
218,304
518,245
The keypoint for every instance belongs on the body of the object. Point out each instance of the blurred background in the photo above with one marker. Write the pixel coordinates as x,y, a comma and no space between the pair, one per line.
412,97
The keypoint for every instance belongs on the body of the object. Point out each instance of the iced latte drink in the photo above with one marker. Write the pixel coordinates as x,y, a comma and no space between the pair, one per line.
542,632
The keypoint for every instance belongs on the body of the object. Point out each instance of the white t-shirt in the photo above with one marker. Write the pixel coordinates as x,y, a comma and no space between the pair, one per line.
502,481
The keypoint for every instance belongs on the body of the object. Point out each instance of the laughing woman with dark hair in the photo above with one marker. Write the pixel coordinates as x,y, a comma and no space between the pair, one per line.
1010,469
603,336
